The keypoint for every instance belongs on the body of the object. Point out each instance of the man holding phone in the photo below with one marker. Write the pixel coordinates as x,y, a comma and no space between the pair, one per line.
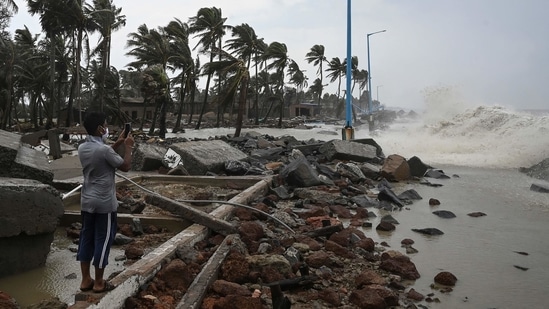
98,199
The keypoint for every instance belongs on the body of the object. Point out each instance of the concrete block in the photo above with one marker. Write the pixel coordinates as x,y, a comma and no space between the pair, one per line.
348,150
200,157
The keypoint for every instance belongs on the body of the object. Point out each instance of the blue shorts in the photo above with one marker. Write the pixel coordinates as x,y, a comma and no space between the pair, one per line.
96,237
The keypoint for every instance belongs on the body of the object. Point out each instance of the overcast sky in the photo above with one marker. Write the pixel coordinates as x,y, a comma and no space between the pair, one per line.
480,52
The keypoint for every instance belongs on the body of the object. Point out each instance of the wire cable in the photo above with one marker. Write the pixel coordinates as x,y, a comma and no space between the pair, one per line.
209,201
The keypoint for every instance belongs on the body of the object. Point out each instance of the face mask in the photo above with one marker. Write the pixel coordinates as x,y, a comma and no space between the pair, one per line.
106,134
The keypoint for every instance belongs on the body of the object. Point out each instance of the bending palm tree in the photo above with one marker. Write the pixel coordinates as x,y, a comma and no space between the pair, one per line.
245,45
210,27
316,56
278,54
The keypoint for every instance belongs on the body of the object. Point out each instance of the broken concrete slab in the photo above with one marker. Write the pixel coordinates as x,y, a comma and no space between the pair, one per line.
31,212
20,161
348,150
200,157
147,157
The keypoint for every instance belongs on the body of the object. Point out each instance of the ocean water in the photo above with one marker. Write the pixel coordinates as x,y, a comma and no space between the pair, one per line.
484,146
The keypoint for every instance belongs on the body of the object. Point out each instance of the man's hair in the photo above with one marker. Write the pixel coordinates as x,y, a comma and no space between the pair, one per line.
93,120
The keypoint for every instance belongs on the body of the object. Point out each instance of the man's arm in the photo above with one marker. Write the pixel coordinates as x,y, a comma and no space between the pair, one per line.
128,146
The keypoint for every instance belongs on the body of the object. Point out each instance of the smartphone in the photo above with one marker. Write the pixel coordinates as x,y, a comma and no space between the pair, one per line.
127,129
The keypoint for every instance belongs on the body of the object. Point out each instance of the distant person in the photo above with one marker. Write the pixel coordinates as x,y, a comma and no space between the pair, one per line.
98,200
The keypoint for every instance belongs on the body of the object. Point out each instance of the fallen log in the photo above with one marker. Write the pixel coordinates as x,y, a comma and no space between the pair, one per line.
189,213
199,287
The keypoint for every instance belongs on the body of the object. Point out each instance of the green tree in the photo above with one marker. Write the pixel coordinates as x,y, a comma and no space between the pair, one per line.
152,48
107,19
238,73
178,33
277,53
246,45
209,26
317,57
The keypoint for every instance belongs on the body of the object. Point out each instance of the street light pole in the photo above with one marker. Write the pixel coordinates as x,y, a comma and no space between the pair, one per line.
377,92
348,131
371,120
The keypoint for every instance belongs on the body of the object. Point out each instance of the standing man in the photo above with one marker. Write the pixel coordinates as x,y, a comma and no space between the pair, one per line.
98,199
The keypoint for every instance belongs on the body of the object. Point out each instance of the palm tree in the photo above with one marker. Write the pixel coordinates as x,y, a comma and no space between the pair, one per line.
52,22
151,47
178,33
246,45
336,70
33,70
8,60
278,53
297,77
209,25
316,88
238,82
107,19
317,57
155,89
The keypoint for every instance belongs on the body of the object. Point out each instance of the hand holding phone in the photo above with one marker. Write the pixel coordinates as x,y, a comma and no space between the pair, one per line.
127,129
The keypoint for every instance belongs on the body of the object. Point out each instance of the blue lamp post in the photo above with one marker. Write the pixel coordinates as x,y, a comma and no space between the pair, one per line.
348,131
371,118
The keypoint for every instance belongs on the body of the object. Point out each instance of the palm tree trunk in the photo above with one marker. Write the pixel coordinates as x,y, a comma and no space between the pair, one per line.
203,109
183,92
241,105
192,104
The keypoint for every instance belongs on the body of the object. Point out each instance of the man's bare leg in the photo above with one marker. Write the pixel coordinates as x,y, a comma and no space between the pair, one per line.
87,280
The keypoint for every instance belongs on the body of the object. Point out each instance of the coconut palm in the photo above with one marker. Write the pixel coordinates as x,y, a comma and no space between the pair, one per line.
107,18
317,57
178,33
337,70
238,73
246,46
277,53
297,77
209,26
32,70
7,9
151,47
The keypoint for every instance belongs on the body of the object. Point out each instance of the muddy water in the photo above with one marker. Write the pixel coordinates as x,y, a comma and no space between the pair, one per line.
60,277
480,252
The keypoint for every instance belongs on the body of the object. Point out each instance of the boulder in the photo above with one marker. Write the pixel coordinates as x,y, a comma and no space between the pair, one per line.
395,168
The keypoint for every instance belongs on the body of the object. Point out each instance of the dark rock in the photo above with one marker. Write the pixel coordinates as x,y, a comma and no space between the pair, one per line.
395,262
300,173
429,231
390,219
385,226
437,174
133,252
415,295
417,167
410,194
434,202
386,194
476,214
446,278
444,214
537,187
